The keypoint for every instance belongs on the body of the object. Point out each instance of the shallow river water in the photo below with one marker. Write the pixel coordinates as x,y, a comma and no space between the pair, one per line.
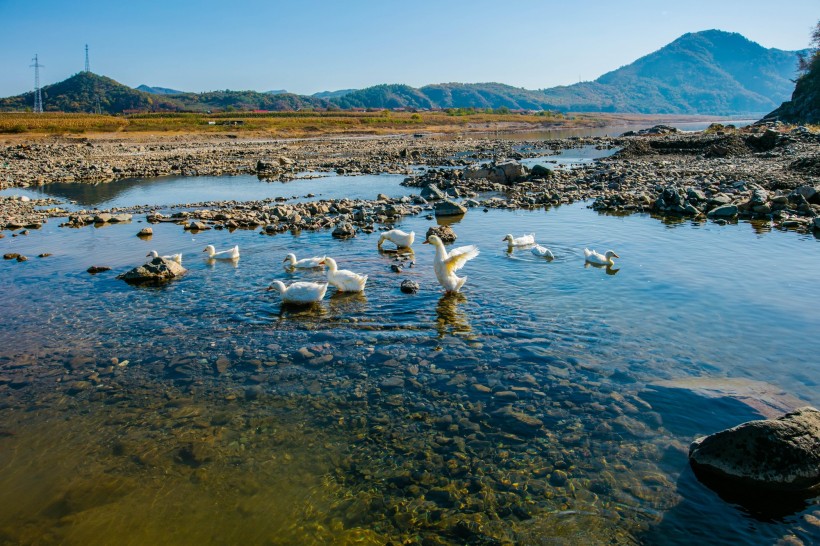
549,402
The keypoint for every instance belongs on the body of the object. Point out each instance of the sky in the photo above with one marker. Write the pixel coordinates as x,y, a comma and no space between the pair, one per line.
316,45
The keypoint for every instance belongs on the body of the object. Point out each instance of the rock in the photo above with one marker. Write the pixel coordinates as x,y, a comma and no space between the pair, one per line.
540,171
724,211
102,218
21,258
44,255
445,233
808,192
197,226
781,454
382,197
285,161
94,269
10,256
431,192
409,287
395,268
508,172
145,232
157,271
817,223
120,218
344,231
447,207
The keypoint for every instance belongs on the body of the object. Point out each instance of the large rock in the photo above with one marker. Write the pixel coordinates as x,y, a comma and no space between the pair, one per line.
344,230
502,172
431,192
447,207
781,454
445,233
157,271
725,211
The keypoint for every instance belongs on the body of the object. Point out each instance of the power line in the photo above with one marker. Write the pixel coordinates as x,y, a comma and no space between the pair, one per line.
38,97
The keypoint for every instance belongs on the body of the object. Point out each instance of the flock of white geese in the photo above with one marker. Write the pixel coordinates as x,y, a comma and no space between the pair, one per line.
445,265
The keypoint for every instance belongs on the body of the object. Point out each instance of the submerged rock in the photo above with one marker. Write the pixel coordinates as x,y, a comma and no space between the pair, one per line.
781,454
344,231
447,207
157,271
409,287
445,233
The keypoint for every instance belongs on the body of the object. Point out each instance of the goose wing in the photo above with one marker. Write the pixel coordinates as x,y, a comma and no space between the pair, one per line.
460,256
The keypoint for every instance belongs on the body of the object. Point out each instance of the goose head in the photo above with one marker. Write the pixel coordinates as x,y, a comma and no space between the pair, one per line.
153,254
331,264
609,255
508,238
433,240
279,286
210,250
290,258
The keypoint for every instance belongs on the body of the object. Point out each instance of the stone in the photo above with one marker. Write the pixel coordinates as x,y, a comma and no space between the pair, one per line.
157,271
94,269
817,223
431,192
507,172
102,218
344,230
10,256
145,232
445,233
409,287
197,226
540,171
780,454
724,211
447,207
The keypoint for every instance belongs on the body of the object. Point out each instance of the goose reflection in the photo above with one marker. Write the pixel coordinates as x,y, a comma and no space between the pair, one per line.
211,262
449,318
301,311
610,270
347,303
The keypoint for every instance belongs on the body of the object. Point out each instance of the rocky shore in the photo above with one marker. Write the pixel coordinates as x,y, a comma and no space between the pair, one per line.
765,173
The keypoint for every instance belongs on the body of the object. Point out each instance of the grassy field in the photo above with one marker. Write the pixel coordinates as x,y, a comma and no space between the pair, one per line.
301,124
276,123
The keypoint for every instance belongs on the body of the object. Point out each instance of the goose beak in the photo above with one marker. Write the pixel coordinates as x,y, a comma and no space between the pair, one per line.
615,255
269,288
322,262
426,242
204,250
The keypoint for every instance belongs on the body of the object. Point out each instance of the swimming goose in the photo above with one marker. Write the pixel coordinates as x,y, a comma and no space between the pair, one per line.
300,292
344,280
291,262
173,257
446,264
230,254
398,237
599,259
543,252
524,240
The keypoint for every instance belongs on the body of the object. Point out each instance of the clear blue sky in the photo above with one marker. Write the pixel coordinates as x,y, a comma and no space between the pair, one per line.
314,45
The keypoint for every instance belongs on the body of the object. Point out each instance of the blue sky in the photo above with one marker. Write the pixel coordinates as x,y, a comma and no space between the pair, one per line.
313,45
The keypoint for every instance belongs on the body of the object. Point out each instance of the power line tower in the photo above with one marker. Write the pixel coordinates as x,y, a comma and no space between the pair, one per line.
38,97
87,64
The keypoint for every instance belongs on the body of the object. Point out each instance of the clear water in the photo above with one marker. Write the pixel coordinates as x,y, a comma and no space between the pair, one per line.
411,418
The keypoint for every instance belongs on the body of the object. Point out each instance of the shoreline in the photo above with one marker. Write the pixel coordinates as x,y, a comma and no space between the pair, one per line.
756,173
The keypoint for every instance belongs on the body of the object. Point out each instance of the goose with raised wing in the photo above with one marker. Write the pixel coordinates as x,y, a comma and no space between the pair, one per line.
597,258
292,263
343,279
230,254
300,291
446,264
398,237
173,257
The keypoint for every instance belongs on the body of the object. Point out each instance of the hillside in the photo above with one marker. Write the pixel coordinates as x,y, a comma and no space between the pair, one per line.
709,72
245,100
804,106
84,92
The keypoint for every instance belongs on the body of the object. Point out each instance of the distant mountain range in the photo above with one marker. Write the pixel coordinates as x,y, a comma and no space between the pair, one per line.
710,72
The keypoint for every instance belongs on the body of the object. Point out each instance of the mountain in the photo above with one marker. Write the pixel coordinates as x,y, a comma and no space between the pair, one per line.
333,94
709,72
158,90
246,100
86,92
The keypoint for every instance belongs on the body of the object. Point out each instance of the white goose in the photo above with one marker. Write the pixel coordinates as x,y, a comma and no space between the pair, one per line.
300,292
230,254
524,240
446,264
543,252
291,262
398,237
173,257
599,259
343,279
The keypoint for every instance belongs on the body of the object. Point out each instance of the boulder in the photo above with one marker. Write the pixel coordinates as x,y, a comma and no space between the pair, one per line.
724,211
507,172
157,271
445,233
432,193
540,171
344,231
447,207
780,454
409,287
145,232
197,226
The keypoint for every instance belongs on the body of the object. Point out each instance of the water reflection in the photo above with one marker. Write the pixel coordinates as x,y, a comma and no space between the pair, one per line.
449,318
610,269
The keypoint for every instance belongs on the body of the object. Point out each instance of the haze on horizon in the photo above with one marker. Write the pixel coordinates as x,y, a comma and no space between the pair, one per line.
320,45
